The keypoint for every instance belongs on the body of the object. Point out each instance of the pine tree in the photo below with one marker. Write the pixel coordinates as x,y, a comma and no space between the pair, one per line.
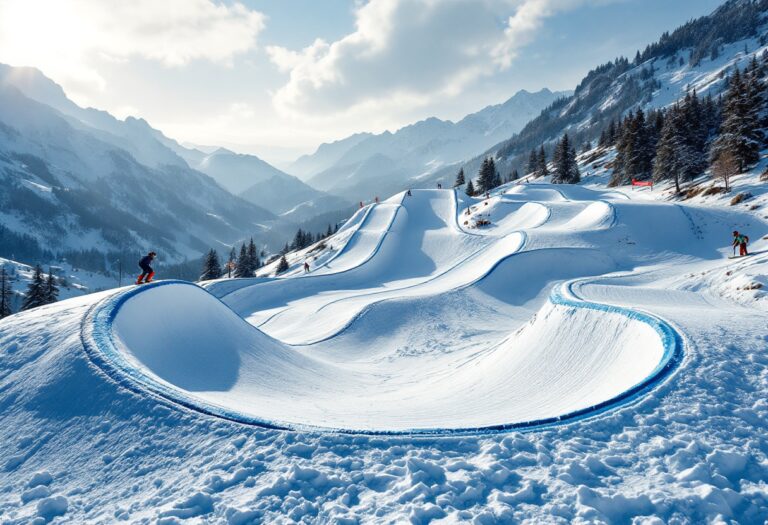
602,142
541,163
496,180
533,163
640,156
36,295
329,231
740,133
488,177
459,179
618,175
211,266
6,294
282,266
666,155
51,290
470,189
711,116
611,134
566,168
676,157
298,240
253,257
633,151
514,175
243,267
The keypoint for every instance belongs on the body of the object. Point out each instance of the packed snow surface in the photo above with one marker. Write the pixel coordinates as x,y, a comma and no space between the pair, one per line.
317,350
568,305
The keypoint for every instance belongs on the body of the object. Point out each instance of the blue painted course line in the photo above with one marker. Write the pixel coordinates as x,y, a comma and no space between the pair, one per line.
98,338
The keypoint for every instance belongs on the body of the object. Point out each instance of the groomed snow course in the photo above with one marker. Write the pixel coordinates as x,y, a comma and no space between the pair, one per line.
582,288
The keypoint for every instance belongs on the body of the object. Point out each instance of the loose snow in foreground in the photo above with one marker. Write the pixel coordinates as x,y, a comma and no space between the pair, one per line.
143,404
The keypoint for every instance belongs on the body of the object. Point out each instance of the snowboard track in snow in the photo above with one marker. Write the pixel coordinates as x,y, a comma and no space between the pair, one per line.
98,338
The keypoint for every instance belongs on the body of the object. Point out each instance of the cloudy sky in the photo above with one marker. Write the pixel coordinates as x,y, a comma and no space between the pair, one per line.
278,77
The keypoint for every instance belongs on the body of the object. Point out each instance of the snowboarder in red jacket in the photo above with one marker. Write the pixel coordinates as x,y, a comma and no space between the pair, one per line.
146,268
740,241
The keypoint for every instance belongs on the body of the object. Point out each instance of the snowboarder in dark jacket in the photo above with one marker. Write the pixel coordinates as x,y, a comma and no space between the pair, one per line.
146,268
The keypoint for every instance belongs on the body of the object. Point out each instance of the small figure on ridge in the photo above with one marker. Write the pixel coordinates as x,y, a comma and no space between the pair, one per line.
146,268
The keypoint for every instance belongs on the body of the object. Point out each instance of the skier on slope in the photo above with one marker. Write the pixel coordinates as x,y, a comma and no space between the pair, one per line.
306,267
741,241
146,268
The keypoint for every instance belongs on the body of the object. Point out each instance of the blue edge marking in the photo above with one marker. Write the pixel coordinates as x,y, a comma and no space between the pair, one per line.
98,339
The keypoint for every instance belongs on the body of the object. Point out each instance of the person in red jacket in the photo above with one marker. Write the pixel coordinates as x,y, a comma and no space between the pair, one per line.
146,268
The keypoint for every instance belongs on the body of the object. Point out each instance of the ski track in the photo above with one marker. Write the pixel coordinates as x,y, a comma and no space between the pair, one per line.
88,439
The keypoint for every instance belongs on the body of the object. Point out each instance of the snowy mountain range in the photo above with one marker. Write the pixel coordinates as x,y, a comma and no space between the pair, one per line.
698,56
264,185
365,164
78,179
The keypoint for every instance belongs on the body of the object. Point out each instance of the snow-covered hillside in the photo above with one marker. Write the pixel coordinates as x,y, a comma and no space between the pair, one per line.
71,281
699,56
66,187
413,319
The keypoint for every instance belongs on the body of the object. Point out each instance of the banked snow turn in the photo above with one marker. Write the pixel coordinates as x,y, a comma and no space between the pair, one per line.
418,324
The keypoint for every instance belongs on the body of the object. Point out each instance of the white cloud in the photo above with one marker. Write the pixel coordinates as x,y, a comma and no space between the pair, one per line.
408,52
67,38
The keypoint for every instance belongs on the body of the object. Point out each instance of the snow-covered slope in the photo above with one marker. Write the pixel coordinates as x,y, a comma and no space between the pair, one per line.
572,314
365,165
71,280
698,56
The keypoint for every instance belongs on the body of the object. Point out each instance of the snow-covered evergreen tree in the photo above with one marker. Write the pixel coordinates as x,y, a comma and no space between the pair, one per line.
541,163
470,189
51,289
6,294
243,267
459,179
488,178
282,266
741,134
253,257
566,168
211,266
533,163
36,293
634,150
